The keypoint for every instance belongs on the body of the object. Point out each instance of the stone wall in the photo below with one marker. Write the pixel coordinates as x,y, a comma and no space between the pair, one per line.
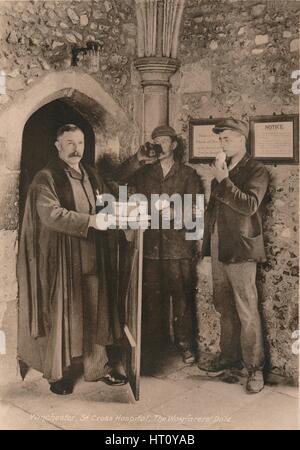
237,59
37,37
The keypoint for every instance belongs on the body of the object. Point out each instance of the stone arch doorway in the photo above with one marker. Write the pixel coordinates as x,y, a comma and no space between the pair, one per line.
78,89
39,137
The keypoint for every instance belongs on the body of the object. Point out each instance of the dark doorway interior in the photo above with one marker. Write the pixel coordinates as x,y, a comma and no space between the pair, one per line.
39,138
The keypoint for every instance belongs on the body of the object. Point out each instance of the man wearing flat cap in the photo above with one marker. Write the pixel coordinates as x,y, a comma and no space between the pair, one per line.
233,237
169,268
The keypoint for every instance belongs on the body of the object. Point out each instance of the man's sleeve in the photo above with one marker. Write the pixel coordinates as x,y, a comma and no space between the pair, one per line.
59,219
127,171
244,201
194,186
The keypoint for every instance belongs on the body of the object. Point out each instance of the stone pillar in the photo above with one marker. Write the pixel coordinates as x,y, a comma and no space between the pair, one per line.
155,73
158,29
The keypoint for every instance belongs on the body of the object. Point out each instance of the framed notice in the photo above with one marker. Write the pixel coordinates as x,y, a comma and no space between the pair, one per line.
275,139
203,143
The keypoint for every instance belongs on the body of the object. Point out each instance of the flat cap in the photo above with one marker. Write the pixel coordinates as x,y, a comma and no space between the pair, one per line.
163,130
232,124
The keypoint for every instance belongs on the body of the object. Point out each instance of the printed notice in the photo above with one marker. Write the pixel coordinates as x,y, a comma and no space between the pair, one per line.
206,143
274,139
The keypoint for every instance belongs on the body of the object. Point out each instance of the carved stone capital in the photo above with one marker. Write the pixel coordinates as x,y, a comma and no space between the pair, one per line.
158,23
156,70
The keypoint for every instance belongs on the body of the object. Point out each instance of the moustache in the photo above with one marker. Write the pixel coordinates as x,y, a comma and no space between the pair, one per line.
74,154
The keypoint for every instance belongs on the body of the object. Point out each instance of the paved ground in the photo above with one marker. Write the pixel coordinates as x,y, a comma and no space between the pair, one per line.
176,397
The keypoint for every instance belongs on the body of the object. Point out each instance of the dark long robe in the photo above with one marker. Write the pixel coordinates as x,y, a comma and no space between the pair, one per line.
50,277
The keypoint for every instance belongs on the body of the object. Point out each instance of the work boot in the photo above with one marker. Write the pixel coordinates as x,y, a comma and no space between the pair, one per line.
64,386
218,366
255,381
187,353
115,376
188,357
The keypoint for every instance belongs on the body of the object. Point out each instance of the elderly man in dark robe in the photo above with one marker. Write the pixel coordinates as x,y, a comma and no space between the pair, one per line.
67,308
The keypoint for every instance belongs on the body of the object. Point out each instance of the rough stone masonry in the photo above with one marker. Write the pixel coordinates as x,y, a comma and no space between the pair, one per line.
237,58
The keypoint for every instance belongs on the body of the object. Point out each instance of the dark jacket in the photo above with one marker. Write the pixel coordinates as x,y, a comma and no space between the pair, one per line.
149,179
237,204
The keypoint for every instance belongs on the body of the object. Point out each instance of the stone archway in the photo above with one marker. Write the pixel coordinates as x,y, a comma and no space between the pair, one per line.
78,87
110,125
38,143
